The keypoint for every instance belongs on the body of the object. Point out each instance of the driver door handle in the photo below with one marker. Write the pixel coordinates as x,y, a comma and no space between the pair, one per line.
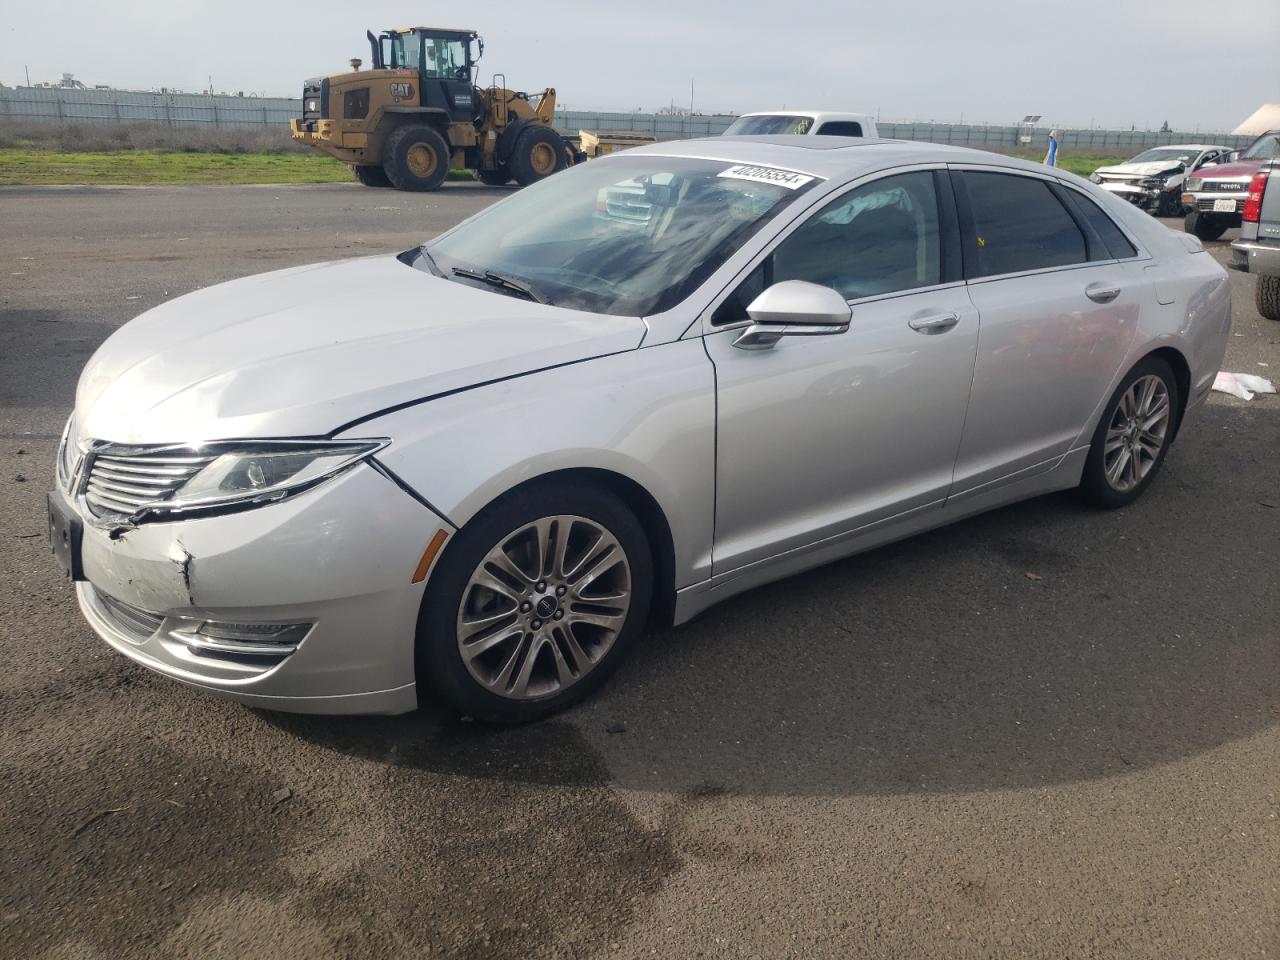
938,323
1102,292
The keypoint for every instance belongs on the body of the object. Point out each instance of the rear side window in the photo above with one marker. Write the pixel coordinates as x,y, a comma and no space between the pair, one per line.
1116,242
840,128
1020,225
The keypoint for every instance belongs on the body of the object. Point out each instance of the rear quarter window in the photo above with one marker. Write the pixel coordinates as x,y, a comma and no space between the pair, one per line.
840,128
1113,237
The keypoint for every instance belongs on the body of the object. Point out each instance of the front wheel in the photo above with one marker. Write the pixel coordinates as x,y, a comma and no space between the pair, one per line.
1268,297
538,154
1205,227
1133,436
534,603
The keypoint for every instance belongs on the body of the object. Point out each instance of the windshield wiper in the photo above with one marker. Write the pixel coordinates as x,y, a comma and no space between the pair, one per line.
501,281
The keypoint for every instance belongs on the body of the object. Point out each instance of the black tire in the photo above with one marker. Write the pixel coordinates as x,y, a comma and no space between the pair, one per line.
1268,297
1204,226
441,670
370,176
416,158
498,177
539,153
1168,204
1094,484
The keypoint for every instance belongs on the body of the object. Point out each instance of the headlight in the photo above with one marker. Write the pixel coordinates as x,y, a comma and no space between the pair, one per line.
1194,184
249,473
1095,178
67,452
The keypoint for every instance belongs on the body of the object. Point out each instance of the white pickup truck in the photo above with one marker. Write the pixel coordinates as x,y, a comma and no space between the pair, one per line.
818,123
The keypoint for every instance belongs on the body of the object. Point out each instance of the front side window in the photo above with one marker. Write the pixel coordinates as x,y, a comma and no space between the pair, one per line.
626,235
446,59
1020,225
772,124
879,238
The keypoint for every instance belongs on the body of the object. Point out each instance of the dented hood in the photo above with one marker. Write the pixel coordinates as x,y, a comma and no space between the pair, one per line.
300,352
1135,170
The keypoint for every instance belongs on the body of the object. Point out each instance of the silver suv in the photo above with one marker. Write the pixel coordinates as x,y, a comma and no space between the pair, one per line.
1258,249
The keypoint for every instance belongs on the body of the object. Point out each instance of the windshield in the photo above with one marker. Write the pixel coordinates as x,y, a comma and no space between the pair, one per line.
1264,148
1164,153
629,236
768,124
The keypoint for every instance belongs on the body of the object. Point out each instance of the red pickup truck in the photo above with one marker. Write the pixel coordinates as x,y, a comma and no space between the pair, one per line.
1215,194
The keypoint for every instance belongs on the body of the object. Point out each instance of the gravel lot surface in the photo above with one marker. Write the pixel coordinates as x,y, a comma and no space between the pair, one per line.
1045,732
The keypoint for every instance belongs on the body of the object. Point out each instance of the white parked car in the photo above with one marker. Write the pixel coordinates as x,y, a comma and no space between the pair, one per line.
805,123
471,472
1153,179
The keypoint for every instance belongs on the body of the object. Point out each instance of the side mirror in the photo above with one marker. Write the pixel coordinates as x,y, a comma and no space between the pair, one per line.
794,308
1233,156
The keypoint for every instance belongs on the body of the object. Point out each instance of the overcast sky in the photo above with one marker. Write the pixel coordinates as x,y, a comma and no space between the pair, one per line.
1109,62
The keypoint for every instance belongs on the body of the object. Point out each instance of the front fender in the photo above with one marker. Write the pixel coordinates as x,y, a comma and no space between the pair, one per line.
648,415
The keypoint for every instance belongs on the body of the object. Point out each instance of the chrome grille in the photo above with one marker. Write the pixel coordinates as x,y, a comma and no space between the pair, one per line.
135,623
120,484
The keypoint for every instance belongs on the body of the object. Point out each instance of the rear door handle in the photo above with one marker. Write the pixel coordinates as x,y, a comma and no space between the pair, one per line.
938,323
1102,292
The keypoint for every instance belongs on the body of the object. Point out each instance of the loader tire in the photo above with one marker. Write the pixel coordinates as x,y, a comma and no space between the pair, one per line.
416,158
495,178
538,154
370,176
1268,297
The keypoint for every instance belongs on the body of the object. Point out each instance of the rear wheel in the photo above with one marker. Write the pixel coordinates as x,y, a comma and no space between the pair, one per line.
416,158
534,604
539,153
370,176
1268,297
497,177
1133,435
1203,226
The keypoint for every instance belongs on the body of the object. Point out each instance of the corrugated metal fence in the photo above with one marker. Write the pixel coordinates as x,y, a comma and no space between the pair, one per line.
195,110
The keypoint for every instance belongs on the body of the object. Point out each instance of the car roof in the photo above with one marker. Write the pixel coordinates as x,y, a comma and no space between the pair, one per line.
827,156
1185,146
816,114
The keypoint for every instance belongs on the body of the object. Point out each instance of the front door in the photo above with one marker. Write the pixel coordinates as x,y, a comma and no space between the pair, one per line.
817,436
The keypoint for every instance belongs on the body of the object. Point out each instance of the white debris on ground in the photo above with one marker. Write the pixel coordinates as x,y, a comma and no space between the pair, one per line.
1242,385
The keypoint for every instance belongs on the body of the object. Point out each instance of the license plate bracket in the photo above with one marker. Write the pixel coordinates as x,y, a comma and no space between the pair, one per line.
66,537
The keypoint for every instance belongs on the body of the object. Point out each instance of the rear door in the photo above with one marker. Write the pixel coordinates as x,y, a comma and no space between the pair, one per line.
1058,308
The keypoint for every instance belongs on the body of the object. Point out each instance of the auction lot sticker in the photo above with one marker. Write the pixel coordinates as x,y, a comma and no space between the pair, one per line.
782,178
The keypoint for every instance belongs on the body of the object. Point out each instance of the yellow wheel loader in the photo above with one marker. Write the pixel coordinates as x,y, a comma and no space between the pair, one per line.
418,113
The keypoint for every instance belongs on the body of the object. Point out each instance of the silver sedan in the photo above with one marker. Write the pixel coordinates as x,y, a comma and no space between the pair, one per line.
471,473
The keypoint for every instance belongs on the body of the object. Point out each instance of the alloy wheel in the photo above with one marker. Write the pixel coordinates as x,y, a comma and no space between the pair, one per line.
543,607
1137,434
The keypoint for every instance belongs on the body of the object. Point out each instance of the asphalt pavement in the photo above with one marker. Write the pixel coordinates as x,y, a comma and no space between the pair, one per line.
1044,732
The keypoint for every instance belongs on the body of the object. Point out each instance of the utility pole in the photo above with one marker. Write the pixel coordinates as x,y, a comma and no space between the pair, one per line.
28,72
691,96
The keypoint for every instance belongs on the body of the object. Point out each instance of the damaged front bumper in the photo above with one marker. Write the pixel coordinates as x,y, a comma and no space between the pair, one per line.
1148,198
306,605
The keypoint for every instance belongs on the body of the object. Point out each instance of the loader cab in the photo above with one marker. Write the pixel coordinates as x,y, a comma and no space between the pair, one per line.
444,61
